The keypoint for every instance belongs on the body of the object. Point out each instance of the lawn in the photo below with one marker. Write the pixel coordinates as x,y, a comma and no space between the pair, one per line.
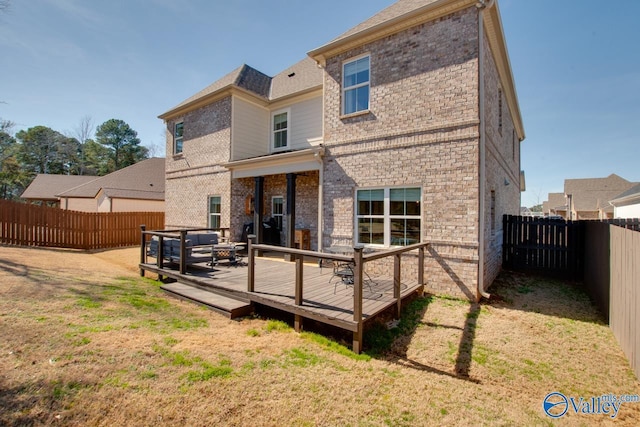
86,341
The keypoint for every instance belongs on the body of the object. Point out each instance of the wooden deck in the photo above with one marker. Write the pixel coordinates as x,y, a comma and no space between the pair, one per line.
304,289
325,297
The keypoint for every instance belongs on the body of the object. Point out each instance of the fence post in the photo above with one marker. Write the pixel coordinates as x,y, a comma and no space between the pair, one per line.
143,248
251,267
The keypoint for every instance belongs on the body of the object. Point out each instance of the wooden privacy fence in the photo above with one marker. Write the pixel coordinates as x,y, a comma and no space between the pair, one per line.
612,280
32,225
549,246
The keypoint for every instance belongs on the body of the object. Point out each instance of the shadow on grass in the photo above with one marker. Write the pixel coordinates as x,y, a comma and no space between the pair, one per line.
392,343
551,297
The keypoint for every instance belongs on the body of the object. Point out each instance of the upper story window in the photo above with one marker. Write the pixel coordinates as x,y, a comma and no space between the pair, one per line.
177,138
389,216
355,85
280,129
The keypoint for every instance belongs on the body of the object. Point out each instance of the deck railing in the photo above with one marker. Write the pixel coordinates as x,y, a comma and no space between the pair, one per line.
171,234
358,260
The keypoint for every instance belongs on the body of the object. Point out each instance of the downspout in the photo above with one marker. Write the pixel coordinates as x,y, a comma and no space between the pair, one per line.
481,5
320,199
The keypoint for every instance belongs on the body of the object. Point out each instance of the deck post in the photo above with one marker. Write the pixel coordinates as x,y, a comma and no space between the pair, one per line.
160,259
421,265
252,266
299,276
357,296
397,258
143,249
299,284
357,339
183,252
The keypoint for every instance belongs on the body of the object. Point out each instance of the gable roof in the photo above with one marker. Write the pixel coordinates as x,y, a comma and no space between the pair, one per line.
300,77
143,180
46,186
592,194
402,10
630,194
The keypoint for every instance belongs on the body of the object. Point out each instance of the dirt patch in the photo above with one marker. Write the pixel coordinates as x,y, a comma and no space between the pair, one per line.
86,341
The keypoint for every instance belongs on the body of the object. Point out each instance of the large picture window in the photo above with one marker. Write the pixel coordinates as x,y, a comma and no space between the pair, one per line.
355,85
177,138
389,216
215,205
281,130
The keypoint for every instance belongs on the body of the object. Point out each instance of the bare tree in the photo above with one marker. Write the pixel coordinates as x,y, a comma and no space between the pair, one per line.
83,132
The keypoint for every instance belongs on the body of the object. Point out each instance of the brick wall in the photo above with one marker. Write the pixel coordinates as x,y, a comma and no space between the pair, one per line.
502,167
195,174
422,130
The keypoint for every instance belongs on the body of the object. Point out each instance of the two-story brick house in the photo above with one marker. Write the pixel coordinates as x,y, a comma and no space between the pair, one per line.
406,128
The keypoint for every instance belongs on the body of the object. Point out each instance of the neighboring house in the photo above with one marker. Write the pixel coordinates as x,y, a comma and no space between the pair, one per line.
44,187
404,129
627,204
136,188
556,205
587,198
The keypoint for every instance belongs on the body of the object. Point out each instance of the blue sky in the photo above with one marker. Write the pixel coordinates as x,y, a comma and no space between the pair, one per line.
576,64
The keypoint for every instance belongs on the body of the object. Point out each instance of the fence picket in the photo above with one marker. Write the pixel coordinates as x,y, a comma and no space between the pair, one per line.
32,225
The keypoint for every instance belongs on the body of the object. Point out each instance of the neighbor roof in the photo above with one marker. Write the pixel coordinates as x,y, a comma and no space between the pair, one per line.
592,194
143,180
46,186
632,193
556,200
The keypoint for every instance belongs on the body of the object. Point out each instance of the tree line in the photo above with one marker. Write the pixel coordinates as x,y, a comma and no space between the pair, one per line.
40,149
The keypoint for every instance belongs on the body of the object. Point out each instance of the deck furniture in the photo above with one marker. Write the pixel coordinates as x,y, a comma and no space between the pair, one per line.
228,251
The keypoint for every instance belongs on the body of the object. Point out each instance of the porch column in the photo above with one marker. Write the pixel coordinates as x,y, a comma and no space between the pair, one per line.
258,208
291,213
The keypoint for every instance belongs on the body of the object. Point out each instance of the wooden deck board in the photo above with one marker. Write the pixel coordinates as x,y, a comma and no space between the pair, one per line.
326,300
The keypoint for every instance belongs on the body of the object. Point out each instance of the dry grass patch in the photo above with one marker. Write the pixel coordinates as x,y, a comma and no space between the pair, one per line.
87,342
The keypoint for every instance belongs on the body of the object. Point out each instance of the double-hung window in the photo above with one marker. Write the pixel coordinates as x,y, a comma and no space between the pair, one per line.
280,128
355,85
389,216
215,203
177,138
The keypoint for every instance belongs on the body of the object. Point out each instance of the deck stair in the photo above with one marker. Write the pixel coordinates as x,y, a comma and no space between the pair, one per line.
221,302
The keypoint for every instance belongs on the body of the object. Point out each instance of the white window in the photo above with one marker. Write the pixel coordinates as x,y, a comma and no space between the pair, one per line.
355,85
277,210
215,203
177,138
280,128
389,216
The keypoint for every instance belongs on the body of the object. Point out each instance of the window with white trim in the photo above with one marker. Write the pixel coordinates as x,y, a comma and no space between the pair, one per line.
389,216
178,131
215,210
277,210
280,128
355,85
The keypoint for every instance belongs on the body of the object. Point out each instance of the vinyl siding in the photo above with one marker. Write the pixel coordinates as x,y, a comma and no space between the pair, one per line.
306,123
250,130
